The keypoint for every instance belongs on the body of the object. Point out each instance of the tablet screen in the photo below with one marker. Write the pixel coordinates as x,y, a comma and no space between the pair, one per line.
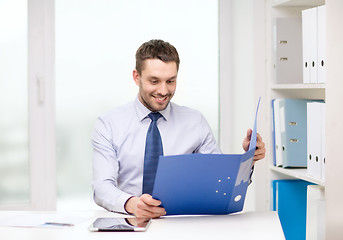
120,224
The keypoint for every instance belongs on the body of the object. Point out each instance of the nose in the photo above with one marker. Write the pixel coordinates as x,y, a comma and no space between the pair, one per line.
163,89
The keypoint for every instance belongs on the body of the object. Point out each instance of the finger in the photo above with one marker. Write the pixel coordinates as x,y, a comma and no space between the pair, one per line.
249,132
147,199
259,138
259,154
259,142
150,205
143,214
260,146
146,211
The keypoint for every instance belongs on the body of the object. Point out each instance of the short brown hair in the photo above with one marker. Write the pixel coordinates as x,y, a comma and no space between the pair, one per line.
159,49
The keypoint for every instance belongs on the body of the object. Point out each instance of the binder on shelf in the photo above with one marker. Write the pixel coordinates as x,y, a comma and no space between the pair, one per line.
288,50
321,30
309,44
323,156
277,133
315,227
314,139
293,119
290,201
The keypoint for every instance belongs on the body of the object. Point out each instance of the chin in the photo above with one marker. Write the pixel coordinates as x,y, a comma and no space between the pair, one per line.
160,108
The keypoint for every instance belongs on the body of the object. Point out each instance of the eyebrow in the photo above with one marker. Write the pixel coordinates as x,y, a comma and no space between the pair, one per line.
156,78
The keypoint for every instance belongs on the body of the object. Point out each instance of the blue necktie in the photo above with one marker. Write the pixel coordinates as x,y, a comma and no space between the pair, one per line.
153,149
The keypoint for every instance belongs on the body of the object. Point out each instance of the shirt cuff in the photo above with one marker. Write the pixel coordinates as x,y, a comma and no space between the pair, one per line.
119,205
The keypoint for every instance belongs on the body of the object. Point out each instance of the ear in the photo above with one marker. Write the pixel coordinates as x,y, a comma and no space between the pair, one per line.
136,77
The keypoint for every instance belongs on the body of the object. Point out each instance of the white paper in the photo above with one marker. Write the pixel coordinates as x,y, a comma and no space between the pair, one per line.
43,220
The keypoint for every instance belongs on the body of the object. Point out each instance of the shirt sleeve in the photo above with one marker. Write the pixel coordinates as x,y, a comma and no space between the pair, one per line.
208,142
105,170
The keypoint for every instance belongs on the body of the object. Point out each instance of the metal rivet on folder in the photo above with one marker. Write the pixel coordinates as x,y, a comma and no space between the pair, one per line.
228,177
283,42
219,180
237,198
224,194
216,191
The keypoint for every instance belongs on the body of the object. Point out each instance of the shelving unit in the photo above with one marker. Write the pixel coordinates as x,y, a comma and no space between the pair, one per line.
331,92
286,9
289,9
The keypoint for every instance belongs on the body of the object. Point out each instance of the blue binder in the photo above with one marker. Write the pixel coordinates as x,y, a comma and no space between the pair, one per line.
290,200
204,183
293,117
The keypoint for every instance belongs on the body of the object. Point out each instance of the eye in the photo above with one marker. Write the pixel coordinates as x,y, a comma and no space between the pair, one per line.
170,81
154,82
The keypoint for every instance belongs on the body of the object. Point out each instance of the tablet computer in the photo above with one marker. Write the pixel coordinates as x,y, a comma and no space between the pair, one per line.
120,224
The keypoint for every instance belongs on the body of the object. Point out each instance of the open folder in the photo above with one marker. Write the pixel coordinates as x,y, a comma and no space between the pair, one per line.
204,183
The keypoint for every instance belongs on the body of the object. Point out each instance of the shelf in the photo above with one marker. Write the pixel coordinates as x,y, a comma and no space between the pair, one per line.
300,173
297,3
299,91
298,86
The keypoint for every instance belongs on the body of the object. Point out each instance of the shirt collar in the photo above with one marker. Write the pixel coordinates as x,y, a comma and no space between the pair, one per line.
143,112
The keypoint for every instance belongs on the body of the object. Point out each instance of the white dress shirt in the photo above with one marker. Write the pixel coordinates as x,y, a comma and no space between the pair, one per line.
119,144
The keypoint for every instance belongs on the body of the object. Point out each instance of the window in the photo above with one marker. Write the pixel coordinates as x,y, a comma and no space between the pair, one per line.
27,142
95,48
14,138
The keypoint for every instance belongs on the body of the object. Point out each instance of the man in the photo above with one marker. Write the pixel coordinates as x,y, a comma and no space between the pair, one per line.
120,136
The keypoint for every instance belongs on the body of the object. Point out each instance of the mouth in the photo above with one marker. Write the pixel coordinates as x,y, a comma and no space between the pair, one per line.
161,99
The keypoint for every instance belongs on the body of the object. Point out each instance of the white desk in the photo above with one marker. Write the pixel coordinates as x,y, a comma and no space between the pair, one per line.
250,225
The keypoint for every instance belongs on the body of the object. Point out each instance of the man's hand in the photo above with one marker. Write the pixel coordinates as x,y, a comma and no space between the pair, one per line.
145,207
260,152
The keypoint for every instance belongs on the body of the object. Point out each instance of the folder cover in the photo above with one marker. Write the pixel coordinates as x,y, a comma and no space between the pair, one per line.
321,31
204,183
309,34
277,133
315,221
314,139
293,117
290,197
288,50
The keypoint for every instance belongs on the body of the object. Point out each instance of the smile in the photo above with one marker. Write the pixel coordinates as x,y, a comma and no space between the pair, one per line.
160,99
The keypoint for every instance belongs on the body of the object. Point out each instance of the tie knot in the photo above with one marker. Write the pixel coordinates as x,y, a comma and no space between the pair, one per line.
154,116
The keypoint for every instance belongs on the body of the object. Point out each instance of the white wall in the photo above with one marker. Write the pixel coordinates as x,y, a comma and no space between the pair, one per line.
237,78
334,126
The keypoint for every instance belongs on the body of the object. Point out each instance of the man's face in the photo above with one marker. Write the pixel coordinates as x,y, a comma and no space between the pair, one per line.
157,83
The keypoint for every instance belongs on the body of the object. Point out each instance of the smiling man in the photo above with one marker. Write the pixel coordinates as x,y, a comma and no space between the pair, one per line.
157,83
128,139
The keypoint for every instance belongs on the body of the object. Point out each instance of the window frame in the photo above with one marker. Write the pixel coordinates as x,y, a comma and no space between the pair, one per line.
41,104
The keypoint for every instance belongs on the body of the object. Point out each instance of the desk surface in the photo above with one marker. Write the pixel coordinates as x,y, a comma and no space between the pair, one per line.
249,225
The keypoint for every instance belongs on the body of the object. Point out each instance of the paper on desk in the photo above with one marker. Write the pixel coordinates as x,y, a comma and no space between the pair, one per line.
55,220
